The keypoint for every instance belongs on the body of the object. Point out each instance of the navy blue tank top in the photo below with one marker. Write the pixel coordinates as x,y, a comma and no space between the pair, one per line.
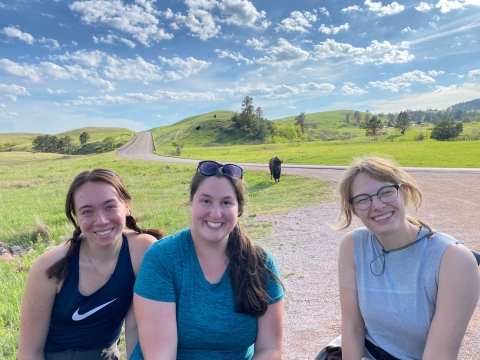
94,321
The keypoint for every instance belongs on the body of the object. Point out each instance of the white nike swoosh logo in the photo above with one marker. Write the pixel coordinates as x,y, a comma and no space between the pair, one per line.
77,317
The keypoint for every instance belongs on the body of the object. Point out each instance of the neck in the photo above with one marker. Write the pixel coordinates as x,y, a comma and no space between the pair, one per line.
102,254
402,237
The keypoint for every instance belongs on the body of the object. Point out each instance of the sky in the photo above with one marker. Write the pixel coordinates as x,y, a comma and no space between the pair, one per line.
141,64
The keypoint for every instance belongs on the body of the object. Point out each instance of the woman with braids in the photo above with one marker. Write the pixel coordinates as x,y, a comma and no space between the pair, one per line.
406,291
209,292
79,293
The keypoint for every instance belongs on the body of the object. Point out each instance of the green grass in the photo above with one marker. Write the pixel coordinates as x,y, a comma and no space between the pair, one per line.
32,194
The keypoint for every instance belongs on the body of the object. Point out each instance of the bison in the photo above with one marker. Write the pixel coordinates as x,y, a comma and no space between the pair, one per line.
275,165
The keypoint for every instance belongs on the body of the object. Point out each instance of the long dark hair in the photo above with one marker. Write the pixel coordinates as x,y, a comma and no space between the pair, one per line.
59,270
247,262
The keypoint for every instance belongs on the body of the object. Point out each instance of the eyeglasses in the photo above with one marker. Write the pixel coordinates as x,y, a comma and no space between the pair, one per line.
210,168
386,194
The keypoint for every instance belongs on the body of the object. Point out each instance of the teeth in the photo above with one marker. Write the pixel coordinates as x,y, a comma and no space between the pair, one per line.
386,216
103,232
212,224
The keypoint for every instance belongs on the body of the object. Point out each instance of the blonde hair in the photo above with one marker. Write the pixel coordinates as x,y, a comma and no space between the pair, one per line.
382,169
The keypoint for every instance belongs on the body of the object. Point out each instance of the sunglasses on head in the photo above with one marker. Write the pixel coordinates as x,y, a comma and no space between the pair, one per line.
210,168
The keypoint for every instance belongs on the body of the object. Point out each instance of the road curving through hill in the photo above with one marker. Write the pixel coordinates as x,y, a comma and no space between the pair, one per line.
306,248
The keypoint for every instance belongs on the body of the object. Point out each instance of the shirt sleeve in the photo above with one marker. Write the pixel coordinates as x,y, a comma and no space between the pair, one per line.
156,278
274,286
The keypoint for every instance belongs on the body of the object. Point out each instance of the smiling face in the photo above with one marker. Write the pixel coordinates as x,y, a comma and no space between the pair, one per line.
214,211
381,218
100,212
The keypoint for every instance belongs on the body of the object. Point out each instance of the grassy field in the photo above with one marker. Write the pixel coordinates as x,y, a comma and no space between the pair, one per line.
23,141
33,189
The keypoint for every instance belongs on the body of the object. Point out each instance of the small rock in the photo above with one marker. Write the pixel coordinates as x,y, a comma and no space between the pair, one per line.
30,250
15,249
6,256
2,245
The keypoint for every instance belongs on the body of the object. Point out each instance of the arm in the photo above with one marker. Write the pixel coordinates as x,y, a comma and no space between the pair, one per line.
131,331
269,341
37,303
457,297
353,326
157,328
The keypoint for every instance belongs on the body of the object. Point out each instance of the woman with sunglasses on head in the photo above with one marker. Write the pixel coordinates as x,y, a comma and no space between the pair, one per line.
79,293
209,292
406,291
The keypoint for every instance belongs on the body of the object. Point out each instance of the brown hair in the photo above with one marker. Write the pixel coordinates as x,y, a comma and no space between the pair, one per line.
59,270
381,169
249,273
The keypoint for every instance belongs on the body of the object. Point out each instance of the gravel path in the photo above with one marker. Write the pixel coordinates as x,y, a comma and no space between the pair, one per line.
306,250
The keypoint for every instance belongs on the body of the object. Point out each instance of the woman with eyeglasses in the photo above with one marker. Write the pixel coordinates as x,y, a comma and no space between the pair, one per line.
406,291
79,294
209,292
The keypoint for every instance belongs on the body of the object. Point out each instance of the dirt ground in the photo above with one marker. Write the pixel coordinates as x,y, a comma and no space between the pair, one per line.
306,250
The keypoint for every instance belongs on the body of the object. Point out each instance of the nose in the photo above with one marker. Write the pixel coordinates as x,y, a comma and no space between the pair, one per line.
215,211
101,218
376,202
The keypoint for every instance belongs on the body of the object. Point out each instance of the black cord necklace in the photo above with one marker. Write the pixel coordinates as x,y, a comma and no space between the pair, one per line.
385,252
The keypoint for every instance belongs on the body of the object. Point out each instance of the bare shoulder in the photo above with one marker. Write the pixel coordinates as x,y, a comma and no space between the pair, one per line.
50,257
458,258
346,243
138,244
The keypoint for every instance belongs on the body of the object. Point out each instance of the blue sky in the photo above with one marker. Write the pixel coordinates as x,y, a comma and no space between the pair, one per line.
144,63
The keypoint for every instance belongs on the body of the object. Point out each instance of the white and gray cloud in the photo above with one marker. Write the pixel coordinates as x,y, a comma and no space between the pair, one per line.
242,13
200,22
403,81
435,73
184,67
138,19
12,91
284,54
424,7
379,10
351,89
222,54
50,44
332,29
257,44
446,6
324,11
474,74
298,21
14,32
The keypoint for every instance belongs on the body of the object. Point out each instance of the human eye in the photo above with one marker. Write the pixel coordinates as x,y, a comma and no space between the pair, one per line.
86,212
361,200
387,191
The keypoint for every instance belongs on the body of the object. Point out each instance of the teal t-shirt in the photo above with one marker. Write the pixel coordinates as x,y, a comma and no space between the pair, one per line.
208,326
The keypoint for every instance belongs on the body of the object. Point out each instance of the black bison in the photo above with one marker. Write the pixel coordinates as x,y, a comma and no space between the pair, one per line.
275,165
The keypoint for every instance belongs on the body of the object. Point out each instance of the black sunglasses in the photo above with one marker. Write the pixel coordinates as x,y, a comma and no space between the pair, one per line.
210,168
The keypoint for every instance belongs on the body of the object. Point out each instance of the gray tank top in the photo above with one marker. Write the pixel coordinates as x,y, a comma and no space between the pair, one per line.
397,291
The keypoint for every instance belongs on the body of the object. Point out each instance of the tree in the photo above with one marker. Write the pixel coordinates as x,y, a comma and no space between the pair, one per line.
64,144
178,146
366,119
300,121
446,130
403,122
357,117
109,142
246,116
374,127
347,119
84,137
259,112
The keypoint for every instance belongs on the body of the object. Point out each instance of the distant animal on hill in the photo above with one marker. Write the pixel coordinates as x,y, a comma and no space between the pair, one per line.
275,165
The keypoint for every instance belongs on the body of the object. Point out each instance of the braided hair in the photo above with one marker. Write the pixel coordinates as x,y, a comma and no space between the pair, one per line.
59,270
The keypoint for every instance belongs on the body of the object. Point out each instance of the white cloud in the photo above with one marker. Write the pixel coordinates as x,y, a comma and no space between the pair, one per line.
138,19
158,115
8,115
82,57
330,48
186,95
424,7
351,89
435,73
474,74
12,91
284,54
201,4
50,44
461,76
74,43
432,24
332,29
186,67
351,9
416,75
127,42
59,91
324,11
50,16
298,21
387,85
222,54
242,13
446,6
29,72
109,39
2,105
131,69
407,29
379,10
445,88
257,44
200,23
396,57
17,33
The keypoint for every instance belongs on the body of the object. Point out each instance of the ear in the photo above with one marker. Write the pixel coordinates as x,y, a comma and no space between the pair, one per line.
127,205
